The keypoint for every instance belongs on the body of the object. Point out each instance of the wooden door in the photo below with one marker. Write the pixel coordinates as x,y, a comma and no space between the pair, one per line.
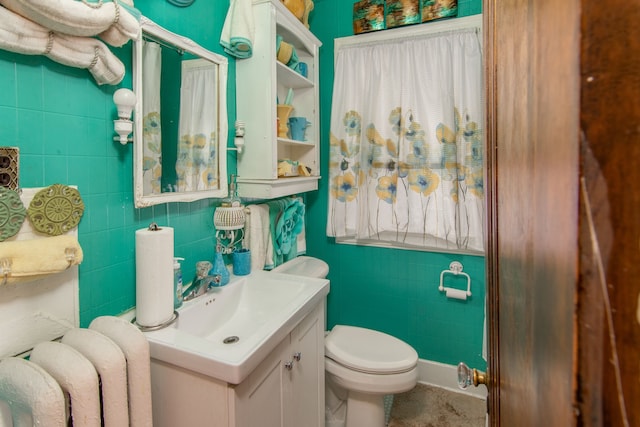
532,57
609,282
563,138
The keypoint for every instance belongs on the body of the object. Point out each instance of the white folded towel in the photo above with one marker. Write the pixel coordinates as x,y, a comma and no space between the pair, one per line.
302,242
258,237
20,35
238,31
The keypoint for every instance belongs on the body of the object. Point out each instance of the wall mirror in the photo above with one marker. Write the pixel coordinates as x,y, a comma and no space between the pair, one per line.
181,123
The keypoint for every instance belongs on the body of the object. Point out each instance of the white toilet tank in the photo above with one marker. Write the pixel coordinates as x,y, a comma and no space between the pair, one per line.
304,266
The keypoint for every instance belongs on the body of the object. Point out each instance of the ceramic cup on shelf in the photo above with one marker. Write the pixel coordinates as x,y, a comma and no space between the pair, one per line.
297,127
284,111
303,69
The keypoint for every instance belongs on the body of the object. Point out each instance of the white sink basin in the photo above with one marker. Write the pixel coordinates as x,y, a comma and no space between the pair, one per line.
226,333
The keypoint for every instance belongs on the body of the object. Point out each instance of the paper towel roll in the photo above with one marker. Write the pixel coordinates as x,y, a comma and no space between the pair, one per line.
154,276
456,293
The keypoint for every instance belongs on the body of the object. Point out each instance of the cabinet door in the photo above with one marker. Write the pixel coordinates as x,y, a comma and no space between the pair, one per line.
307,374
259,400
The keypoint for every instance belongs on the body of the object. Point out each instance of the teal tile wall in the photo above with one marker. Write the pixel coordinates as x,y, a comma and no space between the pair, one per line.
392,290
62,122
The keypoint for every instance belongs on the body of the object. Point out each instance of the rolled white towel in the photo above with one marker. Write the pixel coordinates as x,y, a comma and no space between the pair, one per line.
21,35
115,22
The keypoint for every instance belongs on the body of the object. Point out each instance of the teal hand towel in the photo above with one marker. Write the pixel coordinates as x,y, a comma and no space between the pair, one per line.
238,30
286,222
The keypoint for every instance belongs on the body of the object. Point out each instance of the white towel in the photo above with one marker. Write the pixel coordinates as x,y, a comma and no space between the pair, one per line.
258,237
115,22
20,35
302,242
238,31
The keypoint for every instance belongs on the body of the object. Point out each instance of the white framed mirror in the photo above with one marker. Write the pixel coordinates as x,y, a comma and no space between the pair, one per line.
180,134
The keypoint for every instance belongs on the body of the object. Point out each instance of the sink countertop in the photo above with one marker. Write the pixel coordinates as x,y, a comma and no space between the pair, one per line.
260,309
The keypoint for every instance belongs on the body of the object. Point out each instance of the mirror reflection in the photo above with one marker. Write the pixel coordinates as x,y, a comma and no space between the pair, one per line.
181,120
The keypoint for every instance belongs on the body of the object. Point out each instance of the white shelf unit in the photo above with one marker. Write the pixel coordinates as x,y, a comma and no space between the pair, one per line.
262,81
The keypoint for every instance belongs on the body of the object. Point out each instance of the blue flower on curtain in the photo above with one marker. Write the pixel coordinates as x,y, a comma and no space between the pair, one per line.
152,162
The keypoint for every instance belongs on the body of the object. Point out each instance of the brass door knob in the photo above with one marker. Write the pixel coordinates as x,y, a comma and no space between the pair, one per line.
468,376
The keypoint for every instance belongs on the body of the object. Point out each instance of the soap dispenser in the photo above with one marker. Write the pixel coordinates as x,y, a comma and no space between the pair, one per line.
219,266
177,282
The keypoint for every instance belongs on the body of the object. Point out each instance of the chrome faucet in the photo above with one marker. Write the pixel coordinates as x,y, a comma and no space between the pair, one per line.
202,282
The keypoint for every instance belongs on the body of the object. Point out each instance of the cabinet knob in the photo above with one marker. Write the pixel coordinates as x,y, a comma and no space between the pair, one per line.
297,356
288,365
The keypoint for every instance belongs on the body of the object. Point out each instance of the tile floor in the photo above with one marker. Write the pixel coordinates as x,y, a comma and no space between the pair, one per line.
428,406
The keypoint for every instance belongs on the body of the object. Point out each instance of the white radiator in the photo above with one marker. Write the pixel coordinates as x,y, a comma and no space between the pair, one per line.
91,377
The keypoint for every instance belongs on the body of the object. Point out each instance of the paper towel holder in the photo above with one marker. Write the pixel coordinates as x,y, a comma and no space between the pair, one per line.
455,268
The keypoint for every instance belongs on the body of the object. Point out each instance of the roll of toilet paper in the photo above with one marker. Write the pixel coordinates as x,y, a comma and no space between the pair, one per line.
456,294
154,275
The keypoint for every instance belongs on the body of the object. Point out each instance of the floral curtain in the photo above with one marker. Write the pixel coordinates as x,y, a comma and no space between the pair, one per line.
406,163
197,161
152,133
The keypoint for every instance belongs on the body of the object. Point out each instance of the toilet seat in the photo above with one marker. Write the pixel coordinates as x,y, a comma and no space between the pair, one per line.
368,351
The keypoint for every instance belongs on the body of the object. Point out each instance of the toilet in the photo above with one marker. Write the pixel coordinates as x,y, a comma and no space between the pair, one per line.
362,366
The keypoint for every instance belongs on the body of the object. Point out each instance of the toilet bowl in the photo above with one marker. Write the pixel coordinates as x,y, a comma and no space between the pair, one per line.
361,365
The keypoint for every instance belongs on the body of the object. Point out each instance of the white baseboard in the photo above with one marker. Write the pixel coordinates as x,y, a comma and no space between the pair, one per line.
446,376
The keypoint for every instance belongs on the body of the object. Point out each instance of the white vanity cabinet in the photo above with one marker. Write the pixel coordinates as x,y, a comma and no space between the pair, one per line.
285,390
261,82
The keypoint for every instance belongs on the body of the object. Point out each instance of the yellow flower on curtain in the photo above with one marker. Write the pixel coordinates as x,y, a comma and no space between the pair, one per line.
210,178
344,188
475,182
423,181
387,188
449,156
352,123
199,141
397,122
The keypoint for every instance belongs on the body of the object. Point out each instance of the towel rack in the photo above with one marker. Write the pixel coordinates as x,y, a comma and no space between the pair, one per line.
455,268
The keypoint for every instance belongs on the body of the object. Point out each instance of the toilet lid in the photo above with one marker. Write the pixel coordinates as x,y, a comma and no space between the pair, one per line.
371,351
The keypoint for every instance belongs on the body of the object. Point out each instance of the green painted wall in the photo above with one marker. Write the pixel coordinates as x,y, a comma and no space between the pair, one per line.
62,122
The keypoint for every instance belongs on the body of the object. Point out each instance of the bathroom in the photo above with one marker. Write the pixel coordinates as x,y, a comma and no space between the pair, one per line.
62,122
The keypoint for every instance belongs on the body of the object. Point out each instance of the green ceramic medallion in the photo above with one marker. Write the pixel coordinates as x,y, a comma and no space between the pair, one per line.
56,209
12,213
